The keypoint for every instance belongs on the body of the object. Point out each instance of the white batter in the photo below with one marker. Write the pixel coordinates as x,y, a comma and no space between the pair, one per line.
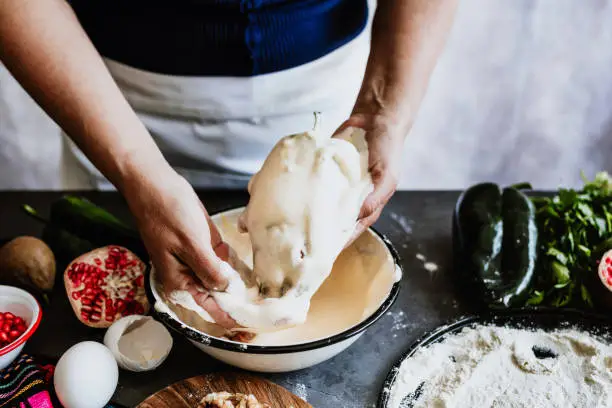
303,209
360,281
489,366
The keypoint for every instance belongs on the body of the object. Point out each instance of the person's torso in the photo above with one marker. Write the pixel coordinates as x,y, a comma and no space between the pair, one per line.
220,37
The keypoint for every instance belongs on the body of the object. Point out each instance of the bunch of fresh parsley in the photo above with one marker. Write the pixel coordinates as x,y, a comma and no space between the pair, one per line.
571,225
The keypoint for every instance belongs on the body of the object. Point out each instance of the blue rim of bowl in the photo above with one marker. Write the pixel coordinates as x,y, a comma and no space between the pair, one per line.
246,348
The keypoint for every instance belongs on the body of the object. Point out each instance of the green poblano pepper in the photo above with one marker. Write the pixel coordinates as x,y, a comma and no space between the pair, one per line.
495,240
76,226
84,219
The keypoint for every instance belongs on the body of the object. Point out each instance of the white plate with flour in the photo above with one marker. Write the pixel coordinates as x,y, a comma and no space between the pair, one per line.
543,358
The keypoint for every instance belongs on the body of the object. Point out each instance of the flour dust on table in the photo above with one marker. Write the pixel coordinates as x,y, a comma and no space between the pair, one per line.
490,366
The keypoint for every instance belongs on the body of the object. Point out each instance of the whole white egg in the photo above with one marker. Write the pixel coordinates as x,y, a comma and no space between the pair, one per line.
86,376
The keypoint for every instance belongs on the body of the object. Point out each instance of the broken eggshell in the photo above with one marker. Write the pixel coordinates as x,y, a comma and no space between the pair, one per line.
139,343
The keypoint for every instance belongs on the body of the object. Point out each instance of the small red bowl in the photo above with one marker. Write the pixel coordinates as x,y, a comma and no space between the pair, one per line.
22,304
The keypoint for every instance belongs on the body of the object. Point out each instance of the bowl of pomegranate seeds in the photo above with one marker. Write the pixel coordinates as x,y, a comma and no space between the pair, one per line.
20,316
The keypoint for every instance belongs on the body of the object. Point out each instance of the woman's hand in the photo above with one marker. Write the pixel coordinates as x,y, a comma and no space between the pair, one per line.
185,247
385,145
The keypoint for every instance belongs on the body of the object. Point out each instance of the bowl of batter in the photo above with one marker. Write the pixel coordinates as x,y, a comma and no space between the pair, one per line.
362,286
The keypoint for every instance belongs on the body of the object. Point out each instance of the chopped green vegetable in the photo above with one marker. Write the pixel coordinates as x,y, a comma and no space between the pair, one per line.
571,225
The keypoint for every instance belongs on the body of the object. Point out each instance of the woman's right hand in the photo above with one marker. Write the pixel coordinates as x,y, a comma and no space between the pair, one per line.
185,246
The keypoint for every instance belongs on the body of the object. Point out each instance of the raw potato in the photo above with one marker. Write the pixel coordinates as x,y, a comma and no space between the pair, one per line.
29,262
139,343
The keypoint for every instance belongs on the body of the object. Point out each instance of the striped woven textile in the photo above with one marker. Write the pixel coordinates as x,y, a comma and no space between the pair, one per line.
27,383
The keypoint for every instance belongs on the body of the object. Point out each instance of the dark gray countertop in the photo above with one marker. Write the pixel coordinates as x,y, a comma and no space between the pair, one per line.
415,222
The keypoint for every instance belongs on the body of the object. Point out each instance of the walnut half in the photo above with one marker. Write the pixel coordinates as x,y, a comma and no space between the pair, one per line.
227,400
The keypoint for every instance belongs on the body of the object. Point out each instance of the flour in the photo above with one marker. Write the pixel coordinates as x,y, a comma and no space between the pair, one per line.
402,221
489,366
301,391
430,267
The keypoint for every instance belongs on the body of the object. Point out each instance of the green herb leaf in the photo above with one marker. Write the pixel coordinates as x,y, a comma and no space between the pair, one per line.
561,273
586,251
585,210
558,255
567,198
564,297
536,298
572,225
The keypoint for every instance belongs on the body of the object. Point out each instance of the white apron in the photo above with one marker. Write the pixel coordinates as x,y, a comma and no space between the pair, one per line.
216,131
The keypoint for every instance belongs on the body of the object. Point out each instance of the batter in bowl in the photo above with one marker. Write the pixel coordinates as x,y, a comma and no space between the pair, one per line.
360,281
303,209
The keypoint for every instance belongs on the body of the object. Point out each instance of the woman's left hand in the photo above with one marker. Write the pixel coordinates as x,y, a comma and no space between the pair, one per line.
385,145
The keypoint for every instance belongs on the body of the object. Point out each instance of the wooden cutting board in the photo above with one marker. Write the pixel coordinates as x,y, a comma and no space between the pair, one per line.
189,392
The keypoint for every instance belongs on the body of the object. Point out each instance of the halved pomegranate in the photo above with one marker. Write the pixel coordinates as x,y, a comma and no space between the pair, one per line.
106,284
605,270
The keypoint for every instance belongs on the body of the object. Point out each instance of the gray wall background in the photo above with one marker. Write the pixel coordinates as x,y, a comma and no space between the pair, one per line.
522,92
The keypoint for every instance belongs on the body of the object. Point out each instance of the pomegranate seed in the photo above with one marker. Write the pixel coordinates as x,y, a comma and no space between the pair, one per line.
1,316
105,285
13,334
9,316
21,328
6,327
4,337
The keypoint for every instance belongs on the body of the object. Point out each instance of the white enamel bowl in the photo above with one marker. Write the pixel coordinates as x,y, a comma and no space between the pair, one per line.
22,304
262,358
